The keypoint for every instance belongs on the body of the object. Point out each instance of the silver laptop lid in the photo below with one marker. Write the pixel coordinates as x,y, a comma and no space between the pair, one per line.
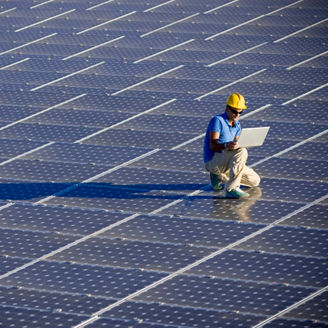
252,137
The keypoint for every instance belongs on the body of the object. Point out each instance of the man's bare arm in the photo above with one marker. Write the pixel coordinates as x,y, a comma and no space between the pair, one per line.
216,146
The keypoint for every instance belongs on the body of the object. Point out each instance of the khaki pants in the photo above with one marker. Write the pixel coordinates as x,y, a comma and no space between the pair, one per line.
231,168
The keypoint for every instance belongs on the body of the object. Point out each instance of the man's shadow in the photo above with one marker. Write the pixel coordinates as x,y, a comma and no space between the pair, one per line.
35,190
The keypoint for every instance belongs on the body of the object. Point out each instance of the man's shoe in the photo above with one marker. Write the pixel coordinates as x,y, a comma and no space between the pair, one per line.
236,193
216,183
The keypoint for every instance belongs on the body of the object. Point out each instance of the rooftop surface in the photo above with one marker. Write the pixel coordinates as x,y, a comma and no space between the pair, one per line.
107,218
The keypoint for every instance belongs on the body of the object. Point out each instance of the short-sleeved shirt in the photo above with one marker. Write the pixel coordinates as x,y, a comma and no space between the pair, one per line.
219,123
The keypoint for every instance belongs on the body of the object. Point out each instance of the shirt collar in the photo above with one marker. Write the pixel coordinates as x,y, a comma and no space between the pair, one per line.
225,116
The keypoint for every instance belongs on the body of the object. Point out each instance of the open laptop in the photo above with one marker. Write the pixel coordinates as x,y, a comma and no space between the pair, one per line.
252,137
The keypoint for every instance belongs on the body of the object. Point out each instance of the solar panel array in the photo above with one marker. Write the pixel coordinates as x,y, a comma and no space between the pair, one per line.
107,218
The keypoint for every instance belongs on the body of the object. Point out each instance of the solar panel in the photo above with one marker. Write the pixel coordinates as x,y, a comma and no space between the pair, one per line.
107,217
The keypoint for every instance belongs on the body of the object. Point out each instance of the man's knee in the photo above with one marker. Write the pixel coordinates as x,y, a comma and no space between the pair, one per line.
250,177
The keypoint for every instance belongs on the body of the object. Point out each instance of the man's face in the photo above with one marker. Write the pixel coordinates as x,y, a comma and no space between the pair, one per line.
233,113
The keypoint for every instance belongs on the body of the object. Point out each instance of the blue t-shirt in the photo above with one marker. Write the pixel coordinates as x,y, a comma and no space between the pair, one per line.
219,123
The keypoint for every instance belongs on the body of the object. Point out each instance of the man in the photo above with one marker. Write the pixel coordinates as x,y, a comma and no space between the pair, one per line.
223,158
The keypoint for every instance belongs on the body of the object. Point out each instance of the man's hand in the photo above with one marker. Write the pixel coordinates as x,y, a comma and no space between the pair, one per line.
232,145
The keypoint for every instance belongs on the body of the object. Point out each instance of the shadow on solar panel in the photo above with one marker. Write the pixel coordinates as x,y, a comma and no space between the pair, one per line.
33,190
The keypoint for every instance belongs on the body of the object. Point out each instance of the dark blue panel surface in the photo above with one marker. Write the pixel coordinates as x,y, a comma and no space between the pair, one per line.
36,170
30,191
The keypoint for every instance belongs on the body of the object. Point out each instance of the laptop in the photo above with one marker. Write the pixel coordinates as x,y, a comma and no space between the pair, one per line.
252,137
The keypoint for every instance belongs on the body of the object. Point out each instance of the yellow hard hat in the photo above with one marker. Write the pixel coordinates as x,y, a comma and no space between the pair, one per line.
236,100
